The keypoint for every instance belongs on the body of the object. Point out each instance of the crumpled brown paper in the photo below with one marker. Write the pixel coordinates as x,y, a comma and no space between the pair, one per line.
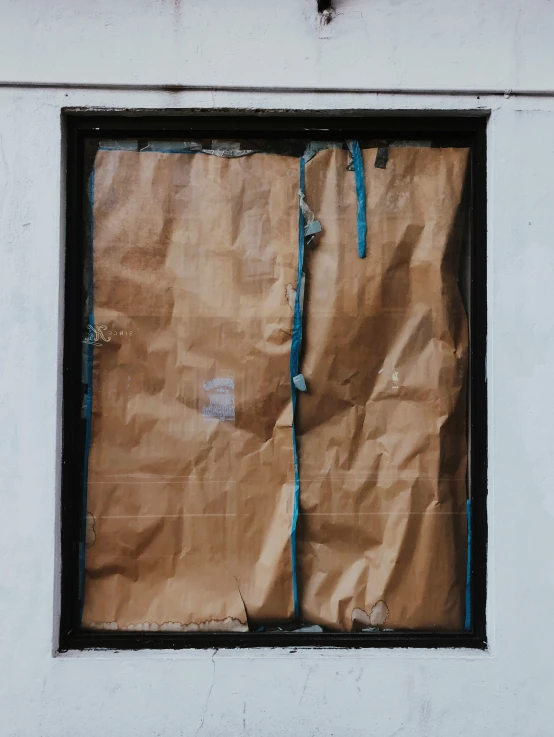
190,472
382,430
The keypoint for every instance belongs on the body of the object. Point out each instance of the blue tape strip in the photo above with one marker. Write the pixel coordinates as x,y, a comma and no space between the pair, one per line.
358,163
150,151
89,373
294,370
169,151
468,572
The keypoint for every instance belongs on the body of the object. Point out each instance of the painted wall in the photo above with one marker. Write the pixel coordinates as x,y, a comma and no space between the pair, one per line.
474,46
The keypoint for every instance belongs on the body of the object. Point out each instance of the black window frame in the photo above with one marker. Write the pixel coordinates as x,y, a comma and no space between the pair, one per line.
79,125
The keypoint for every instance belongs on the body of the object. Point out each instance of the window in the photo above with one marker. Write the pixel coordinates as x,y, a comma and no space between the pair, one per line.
274,382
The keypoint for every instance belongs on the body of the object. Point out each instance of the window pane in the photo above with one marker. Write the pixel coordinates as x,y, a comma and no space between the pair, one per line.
210,285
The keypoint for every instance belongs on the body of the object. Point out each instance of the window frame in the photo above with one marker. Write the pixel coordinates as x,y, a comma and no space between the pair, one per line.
352,124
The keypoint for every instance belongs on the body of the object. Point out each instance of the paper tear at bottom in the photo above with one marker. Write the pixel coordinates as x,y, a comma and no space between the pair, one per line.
378,614
376,618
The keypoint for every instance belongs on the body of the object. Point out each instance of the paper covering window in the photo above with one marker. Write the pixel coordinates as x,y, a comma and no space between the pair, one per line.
275,412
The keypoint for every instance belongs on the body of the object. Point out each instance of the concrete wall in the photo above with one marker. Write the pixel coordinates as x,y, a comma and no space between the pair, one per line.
460,53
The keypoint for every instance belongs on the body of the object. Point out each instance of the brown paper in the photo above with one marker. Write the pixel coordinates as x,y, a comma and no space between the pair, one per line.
381,431
190,473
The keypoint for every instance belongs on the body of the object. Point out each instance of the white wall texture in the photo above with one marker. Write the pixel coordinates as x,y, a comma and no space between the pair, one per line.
465,55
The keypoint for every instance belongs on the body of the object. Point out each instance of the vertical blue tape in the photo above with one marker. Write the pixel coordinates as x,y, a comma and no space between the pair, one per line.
294,370
89,375
468,571
358,164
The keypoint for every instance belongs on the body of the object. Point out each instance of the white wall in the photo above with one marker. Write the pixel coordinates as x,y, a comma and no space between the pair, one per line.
397,44
380,44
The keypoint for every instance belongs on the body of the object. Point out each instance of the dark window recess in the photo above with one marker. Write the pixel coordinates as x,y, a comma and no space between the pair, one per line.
324,6
275,410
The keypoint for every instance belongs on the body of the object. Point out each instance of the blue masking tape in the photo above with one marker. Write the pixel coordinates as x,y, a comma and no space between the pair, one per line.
358,164
299,382
313,228
294,366
468,571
